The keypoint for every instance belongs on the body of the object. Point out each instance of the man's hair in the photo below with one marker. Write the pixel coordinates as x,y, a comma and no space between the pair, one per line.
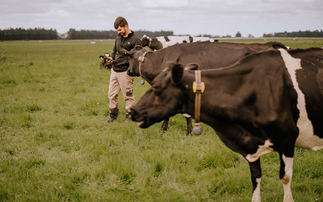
120,21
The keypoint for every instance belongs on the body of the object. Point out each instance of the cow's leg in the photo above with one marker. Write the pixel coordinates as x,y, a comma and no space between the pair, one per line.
286,172
189,126
165,125
255,170
188,123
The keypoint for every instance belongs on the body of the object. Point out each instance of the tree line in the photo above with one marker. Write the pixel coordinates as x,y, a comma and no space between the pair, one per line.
300,33
72,34
28,34
112,34
51,34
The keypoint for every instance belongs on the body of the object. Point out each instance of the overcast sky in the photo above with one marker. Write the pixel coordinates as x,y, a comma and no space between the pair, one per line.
194,17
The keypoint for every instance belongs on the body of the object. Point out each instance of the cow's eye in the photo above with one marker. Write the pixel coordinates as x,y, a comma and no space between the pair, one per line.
156,89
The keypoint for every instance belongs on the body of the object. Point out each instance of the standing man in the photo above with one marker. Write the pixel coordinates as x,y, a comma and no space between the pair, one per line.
119,80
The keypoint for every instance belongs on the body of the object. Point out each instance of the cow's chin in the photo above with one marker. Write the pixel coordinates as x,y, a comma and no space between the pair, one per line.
146,122
141,124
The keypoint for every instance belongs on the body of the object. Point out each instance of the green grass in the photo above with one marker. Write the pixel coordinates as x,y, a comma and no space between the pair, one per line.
55,146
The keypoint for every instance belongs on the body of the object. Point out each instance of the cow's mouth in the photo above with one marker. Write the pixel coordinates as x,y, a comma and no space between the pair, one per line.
143,124
132,74
140,123
140,118
143,119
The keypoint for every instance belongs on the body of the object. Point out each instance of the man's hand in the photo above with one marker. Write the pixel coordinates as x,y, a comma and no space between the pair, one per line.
110,60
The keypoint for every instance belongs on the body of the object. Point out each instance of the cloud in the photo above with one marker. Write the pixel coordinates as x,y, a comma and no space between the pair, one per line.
215,17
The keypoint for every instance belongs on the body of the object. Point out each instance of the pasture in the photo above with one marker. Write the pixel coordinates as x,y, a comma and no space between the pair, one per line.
55,145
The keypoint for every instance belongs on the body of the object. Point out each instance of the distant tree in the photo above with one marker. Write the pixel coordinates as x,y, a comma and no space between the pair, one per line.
238,34
250,36
268,35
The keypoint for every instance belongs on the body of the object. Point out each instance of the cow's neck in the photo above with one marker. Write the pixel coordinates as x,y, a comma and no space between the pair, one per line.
220,87
151,67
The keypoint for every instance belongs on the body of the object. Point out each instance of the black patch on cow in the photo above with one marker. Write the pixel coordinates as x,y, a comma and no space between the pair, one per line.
166,39
277,45
312,71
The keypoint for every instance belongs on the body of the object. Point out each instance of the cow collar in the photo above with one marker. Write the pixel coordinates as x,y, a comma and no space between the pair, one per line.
141,60
198,89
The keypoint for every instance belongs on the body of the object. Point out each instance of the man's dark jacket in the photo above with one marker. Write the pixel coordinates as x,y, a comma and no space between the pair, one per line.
121,63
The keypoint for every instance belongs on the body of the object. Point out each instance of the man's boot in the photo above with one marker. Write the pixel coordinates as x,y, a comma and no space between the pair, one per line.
113,115
128,117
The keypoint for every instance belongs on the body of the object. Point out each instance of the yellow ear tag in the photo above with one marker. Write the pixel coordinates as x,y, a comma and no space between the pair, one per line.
198,86
150,39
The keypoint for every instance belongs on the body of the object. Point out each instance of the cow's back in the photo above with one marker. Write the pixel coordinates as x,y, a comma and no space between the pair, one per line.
206,54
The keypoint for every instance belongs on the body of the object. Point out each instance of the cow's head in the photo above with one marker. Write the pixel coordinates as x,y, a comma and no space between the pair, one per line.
191,39
105,61
145,41
164,99
134,55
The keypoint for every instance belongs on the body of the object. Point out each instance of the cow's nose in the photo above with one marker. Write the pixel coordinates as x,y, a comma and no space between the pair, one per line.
130,73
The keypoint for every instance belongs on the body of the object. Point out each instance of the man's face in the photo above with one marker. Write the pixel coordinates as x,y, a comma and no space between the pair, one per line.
121,30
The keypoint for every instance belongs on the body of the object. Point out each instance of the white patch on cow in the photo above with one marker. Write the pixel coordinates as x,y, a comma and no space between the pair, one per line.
145,36
306,138
263,149
172,40
200,39
256,197
287,179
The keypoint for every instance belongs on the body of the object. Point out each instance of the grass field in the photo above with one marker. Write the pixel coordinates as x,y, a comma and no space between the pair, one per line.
55,146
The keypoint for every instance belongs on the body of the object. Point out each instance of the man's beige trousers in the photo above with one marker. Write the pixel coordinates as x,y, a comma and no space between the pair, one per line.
121,81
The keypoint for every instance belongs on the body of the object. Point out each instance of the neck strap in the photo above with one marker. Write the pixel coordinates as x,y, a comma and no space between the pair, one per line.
141,59
198,89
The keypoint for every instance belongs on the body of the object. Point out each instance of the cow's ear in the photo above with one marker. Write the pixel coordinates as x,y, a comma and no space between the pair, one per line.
192,66
177,73
169,65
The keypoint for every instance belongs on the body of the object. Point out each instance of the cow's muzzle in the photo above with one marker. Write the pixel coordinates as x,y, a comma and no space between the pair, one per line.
130,73
140,118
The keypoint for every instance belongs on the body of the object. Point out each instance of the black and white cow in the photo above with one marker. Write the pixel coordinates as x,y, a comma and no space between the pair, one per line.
268,101
172,40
